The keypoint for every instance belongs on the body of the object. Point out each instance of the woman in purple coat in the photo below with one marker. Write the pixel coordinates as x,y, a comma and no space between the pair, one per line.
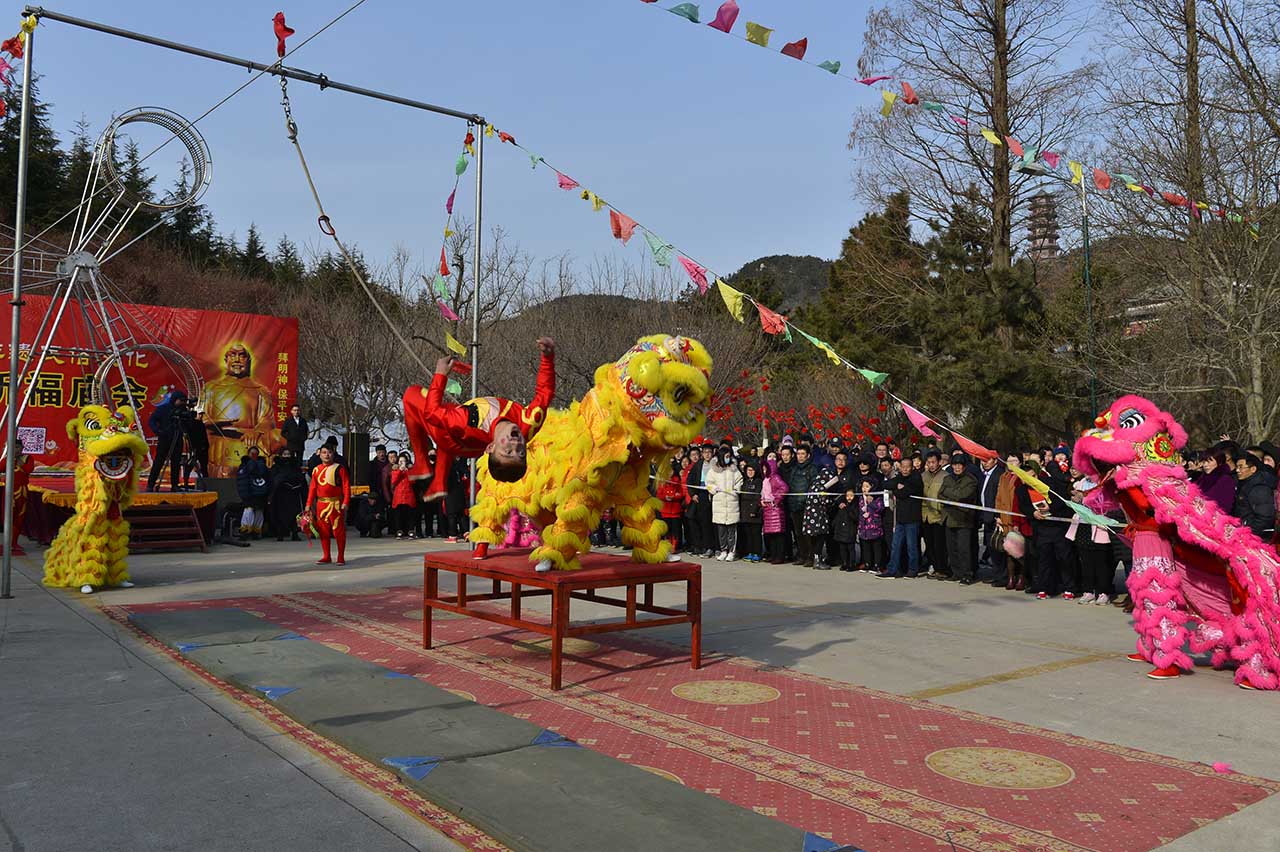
772,495
1218,482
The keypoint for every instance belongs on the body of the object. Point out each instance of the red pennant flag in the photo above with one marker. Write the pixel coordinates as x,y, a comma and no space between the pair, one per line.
771,322
1101,180
1051,158
1015,147
13,47
470,138
1174,199
283,31
623,225
444,265
796,49
973,448
909,94
504,136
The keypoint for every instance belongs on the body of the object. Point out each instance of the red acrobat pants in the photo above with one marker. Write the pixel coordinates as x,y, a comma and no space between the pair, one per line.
331,524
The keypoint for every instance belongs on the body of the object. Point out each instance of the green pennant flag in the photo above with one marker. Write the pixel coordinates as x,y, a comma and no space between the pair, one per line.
460,166
452,387
661,251
440,286
830,65
933,106
688,11
534,159
1091,517
874,378
787,333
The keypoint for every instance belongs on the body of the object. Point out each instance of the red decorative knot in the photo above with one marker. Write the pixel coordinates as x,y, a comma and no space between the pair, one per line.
1163,446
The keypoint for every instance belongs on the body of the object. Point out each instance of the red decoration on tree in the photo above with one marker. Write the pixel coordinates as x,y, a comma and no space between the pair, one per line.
882,408
880,395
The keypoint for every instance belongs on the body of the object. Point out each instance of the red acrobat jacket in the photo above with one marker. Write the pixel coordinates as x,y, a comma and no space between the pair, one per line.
463,430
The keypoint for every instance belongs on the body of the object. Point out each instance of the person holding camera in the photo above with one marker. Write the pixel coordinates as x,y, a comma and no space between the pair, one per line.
169,424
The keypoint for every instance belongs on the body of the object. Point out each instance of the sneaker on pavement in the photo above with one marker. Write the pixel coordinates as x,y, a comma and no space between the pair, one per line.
1042,596
1088,598
1068,596
1102,600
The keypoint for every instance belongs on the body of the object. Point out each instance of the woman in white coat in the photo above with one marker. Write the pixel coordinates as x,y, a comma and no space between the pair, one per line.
723,482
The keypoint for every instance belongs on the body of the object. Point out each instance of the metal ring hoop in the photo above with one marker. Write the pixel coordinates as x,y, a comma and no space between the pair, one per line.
182,130
181,364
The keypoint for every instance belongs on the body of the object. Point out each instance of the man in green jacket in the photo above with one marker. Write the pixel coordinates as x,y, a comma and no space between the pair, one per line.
931,528
959,486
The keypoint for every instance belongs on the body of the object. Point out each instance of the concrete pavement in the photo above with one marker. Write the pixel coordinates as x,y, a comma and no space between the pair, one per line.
1054,664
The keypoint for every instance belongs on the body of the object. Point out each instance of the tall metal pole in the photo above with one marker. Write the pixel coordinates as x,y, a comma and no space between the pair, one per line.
476,278
15,330
1088,301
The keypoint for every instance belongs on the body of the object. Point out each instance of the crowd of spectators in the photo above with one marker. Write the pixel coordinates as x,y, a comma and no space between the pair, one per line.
828,506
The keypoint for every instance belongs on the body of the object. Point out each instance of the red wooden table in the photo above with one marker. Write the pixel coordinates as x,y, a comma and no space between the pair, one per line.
599,571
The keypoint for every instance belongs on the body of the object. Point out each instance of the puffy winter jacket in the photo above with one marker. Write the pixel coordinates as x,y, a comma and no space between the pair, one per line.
723,483
252,481
958,489
799,484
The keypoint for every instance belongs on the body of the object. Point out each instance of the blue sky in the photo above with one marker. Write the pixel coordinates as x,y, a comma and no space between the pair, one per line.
722,148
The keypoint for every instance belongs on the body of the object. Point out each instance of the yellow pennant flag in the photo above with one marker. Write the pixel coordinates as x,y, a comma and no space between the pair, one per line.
1077,171
732,300
488,130
453,344
447,233
889,98
990,136
1202,205
1029,479
1134,187
466,146
757,34
831,354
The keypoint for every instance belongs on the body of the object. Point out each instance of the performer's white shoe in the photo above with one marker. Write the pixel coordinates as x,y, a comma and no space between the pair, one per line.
673,557
86,589
543,567
125,584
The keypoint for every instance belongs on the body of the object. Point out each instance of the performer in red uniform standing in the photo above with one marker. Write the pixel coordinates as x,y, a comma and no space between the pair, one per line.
21,491
488,425
327,502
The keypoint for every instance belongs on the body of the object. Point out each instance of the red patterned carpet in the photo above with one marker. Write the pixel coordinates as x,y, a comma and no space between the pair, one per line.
880,771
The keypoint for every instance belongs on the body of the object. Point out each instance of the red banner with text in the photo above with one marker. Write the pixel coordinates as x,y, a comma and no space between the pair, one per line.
248,364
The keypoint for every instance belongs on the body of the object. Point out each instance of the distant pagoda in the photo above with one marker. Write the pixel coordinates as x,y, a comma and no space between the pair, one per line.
1043,227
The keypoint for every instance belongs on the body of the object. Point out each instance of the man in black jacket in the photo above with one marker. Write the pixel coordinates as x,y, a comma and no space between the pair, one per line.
906,492
1054,551
959,486
1255,497
295,431
989,474
799,483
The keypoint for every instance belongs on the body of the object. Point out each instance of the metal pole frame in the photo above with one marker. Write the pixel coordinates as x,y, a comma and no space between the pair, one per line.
15,330
476,276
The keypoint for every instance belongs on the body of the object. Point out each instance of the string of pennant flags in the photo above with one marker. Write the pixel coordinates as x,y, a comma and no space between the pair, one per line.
666,255
726,18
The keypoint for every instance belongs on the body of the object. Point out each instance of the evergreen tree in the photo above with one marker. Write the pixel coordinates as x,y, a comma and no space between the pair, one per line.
46,162
253,260
287,266
138,186
79,161
190,229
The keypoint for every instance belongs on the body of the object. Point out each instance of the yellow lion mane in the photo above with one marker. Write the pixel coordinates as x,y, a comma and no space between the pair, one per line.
597,454
92,547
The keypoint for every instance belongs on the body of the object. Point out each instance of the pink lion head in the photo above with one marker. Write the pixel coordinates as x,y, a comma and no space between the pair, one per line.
1133,429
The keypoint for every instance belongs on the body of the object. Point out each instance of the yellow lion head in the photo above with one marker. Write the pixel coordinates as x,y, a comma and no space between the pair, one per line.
667,380
108,437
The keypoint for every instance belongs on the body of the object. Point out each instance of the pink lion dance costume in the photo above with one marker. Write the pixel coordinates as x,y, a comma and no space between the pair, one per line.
1192,562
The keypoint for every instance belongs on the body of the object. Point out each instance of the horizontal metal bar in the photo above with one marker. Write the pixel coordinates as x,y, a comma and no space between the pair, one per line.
277,70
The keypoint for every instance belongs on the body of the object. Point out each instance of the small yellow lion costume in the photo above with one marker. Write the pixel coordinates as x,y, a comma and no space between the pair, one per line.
598,454
92,547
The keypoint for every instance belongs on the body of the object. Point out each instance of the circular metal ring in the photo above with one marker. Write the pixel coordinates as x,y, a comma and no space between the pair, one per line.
182,365
182,130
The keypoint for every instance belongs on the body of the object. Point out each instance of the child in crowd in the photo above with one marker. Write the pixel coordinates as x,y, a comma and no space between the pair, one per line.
871,511
671,493
844,528
520,531
1095,564
402,499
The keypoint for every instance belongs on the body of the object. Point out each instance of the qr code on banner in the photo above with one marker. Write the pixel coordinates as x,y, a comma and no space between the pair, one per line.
32,439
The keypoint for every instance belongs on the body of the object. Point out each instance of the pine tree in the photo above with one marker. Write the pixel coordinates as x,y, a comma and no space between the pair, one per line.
79,161
253,260
46,162
287,266
138,187
190,229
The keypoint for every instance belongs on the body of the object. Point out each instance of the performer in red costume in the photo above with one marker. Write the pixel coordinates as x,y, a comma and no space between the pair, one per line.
488,425
327,501
21,490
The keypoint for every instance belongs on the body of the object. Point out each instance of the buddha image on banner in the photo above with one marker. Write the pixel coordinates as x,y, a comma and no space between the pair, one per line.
248,364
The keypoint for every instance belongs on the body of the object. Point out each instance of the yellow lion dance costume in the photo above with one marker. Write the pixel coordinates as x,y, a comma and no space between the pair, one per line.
598,454
92,547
